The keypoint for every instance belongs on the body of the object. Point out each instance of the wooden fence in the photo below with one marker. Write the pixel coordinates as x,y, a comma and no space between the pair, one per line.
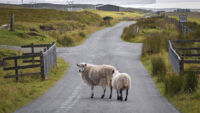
177,56
46,60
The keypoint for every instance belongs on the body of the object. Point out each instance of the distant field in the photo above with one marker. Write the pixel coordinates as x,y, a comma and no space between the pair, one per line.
117,15
46,25
192,17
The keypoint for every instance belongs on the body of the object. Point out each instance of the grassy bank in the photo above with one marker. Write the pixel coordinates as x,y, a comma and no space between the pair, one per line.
46,25
192,16
117,15
182,90
15,95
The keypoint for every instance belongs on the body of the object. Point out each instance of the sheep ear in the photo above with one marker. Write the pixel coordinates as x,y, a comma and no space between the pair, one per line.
80,71
113,71
85,64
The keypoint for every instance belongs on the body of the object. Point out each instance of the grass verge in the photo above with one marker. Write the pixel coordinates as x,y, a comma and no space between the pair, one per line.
155,33
15,95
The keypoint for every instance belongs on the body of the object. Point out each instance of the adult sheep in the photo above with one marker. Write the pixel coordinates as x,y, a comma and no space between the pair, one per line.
120,82
97,75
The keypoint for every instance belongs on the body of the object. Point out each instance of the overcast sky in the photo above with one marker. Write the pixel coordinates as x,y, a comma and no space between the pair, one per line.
127,3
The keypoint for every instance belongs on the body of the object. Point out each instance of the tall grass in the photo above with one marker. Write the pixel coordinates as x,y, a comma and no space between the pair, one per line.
158,67
152,44
128,33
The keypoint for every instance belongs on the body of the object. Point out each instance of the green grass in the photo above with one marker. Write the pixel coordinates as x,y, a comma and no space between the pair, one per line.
152,29
192,17
117,15
15,95
47,26
185,102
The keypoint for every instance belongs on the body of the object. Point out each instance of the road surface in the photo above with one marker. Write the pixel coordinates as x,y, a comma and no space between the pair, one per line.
71,95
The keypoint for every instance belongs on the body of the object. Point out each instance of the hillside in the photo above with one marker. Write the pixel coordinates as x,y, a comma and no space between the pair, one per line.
47,25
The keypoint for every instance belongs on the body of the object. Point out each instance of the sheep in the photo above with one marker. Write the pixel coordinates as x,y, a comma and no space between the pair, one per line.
121,82
97,75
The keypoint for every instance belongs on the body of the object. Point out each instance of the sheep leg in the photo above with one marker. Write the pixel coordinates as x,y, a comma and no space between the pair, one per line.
121,96
126,94
103,93
117,95
110,92
92,92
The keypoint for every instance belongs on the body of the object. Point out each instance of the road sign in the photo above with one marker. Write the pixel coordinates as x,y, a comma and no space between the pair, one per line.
183,18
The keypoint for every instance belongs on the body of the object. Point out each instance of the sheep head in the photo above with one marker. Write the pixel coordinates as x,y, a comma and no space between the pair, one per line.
82,66
116,72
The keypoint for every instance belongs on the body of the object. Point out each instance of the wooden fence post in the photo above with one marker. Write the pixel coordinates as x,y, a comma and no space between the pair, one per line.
42,65
16,70
12,22
32,51
181,66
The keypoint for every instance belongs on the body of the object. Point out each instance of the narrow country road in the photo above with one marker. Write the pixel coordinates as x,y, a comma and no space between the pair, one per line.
71,95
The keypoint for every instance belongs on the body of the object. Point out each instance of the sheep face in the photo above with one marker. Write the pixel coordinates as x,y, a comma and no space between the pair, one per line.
82,66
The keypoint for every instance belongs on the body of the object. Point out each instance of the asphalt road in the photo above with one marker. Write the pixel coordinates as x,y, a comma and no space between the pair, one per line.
71,95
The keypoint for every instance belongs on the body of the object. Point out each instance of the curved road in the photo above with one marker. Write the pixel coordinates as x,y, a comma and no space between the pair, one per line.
71,95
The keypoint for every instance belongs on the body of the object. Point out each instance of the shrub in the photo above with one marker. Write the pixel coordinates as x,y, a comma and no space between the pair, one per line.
82,34
190,81
128,33
66,41
107,18
152,44
173,85
158,67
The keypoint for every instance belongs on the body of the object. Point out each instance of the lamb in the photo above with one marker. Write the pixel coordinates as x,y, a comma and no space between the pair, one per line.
97,75
121,82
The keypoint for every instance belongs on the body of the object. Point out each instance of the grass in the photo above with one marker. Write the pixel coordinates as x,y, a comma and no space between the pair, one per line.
47,26
185,102
117,15
192,16
154,29
15,95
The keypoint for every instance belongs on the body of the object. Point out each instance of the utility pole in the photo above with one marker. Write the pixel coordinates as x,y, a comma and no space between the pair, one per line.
70,4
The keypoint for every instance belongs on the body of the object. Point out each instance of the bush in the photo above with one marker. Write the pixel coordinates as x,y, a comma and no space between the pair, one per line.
173,85
152,44
82,34
158,67
128,33
66,41
190,81
107,18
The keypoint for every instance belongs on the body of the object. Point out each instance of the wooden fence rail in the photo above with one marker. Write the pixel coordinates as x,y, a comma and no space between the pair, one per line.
46,60
177,58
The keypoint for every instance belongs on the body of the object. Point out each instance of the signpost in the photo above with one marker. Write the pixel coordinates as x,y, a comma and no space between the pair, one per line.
182,20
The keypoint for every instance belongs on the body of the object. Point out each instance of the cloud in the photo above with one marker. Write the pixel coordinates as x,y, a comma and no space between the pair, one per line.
116,2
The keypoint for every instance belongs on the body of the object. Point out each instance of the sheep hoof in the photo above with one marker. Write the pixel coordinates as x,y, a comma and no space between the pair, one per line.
121,98
125,99
102,96
92,96
110,97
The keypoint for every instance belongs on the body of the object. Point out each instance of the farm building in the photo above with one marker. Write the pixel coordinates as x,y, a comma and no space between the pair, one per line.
108,8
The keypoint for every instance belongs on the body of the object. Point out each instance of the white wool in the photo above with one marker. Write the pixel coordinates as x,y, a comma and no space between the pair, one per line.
121,81
94,75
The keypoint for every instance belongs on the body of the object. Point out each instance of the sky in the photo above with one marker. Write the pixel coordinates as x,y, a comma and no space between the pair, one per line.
194,4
